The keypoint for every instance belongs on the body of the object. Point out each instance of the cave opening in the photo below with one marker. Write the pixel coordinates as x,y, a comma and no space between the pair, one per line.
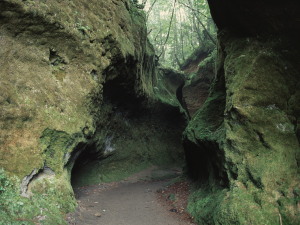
132,133
204,163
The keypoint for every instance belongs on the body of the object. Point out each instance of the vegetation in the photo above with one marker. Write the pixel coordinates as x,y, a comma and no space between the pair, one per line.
46,207
81,81
177,31
135,142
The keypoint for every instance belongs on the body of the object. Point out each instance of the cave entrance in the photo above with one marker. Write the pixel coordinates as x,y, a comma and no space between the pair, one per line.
132,134
85,156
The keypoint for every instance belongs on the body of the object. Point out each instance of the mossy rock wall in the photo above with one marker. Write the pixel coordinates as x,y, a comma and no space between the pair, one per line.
199,76
243,144
55,57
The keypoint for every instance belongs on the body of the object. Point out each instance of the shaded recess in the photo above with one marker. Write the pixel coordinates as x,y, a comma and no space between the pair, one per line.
132,132
203,138
205,163
200,70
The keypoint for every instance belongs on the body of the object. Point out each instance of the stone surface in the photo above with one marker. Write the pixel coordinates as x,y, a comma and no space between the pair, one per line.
200,70
243,143
56,60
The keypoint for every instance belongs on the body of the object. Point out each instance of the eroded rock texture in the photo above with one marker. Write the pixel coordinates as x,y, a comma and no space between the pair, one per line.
200,68
56,60
243,144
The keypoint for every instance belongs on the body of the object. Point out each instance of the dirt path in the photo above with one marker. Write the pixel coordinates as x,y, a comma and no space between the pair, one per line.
129,202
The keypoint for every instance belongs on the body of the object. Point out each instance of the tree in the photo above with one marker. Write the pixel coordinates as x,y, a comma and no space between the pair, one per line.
178,30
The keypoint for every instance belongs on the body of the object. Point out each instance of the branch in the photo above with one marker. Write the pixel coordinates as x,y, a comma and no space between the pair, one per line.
151,7
200,22
196,10
157,34
169,27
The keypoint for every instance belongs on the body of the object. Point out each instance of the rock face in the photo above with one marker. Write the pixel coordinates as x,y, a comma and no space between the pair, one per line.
243,144
200,69
57,58
134,131
46,54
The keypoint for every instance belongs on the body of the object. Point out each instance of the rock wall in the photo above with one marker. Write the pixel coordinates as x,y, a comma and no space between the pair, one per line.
200,70
243,144
56,57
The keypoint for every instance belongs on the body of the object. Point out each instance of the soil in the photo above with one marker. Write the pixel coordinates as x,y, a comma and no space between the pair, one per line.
175,198
142,199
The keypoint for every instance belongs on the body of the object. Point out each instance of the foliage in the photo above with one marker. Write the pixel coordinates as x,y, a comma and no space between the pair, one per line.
207,200
190,27
46,208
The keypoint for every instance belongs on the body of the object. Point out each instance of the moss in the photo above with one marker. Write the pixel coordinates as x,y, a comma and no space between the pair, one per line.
130,156
168,81
57,189
138,16
258,138
212,205
240,207
203,203
50,102
107,171
135,142
201,53
207,123
58,146
45,207
209,62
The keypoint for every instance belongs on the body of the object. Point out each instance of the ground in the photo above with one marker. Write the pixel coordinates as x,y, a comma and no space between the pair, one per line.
148,197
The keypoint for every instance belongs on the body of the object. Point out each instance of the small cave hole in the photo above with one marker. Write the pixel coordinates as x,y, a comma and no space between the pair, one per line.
85,156
203,163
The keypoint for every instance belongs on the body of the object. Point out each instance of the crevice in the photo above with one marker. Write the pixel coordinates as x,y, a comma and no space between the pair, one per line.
94,74
204,164
256,181
54,58
205,157
34,175
262,140
179,96
25,182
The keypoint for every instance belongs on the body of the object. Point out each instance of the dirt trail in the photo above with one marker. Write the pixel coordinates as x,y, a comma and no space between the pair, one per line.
129,202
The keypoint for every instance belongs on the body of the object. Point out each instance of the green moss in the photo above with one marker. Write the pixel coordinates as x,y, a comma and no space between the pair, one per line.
57,147
212,205
48,112
132,154
138,16
58,190
258,138
107,171
45,207
166,86
202,52
203,203
208,122
134,143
